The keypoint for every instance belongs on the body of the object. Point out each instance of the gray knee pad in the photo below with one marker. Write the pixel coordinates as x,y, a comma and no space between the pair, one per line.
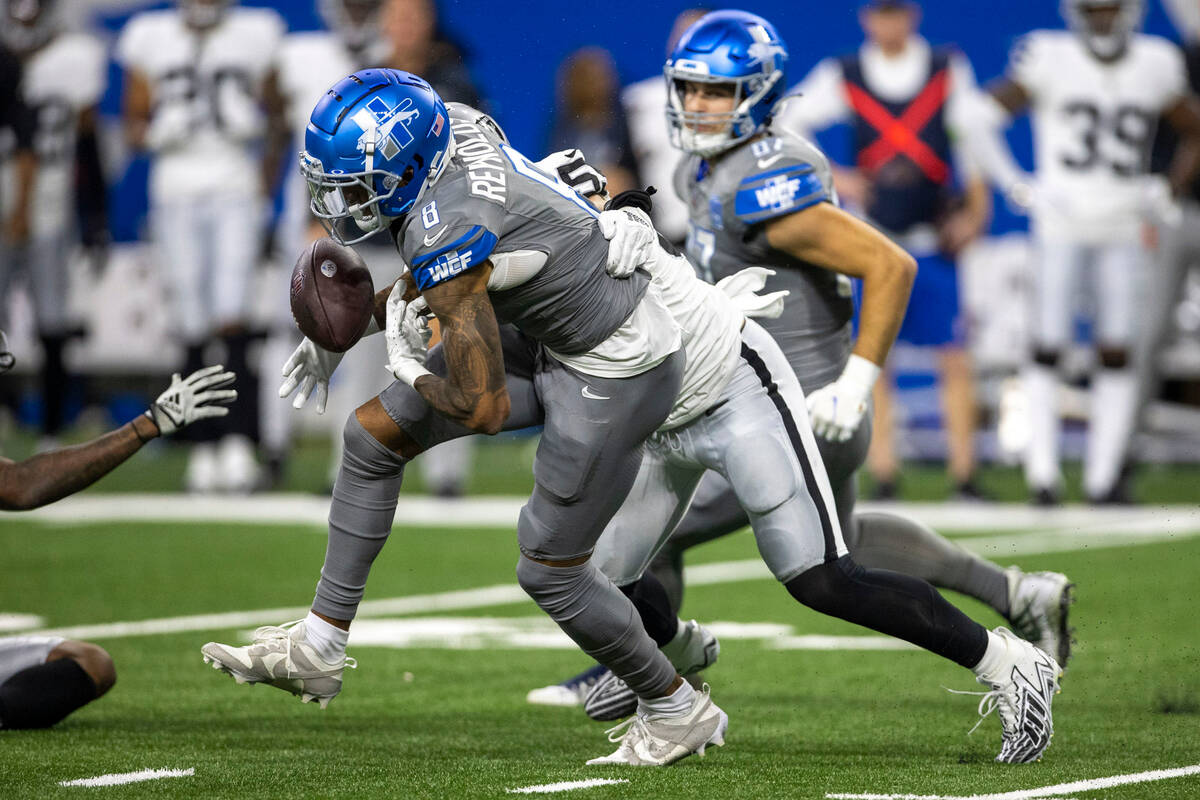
360,519
601,620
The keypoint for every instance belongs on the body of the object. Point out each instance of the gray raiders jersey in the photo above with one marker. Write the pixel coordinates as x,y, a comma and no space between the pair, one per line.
492,202
728,200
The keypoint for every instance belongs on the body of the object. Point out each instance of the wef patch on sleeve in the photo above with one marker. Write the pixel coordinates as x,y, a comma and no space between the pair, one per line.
452,257
782,191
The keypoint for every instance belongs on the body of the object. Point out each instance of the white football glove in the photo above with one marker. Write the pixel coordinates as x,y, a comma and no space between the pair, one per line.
192,398
407,334
743,289
632,240
309,367
836,410
572,169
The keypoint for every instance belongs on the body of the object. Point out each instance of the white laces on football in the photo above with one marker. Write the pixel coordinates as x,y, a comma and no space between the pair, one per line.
1004,700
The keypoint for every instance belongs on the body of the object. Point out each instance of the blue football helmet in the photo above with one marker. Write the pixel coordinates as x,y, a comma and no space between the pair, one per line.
728,47
374,142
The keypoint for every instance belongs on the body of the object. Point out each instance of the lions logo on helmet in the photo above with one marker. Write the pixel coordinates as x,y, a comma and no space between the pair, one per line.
726,47
1104,25
374,142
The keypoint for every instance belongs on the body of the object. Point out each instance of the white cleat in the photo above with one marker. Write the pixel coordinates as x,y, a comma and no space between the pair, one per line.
1039,607
693,649
281,657
656,741
1022,691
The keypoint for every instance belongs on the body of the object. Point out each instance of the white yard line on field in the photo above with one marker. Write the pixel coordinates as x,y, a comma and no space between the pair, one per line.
497,511
1058,790
565,786
1144,531
130,777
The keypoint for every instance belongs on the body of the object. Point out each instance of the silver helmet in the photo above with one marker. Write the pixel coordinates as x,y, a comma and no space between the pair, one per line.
29,24
355,21
203,14
1104,25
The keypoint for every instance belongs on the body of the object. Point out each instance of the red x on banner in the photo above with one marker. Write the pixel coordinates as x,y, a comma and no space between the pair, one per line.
902,135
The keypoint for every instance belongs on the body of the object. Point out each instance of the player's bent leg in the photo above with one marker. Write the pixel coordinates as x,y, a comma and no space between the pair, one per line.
43,679
598,618
714,512
894,542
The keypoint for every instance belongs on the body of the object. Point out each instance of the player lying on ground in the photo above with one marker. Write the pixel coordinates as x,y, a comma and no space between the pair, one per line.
45,678
594,359
764,197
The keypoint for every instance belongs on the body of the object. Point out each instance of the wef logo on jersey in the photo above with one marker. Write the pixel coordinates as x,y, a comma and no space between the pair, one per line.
389,126
448,265
777,193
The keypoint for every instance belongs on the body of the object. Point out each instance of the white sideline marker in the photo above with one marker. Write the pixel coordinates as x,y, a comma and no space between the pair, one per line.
565,786
1058,790
130,777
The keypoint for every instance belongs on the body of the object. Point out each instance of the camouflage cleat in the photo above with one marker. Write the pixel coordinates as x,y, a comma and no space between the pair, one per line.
1022,691
281,657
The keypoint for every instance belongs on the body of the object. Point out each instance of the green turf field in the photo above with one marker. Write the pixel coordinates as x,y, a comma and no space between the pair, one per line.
440,718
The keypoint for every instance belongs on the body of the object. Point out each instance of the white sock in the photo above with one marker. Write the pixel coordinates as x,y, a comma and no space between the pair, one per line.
328,640
675,704
995,657
1041,459
1114,407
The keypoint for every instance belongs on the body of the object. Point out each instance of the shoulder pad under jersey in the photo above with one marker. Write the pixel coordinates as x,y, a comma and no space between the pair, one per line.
780,175
448,232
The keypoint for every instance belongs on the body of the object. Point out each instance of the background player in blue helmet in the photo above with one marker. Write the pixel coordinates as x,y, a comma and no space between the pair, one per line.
489,239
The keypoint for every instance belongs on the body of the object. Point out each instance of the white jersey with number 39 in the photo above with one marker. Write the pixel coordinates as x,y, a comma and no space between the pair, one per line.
1093,125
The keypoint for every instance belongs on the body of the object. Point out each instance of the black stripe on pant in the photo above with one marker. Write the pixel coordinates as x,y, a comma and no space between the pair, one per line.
789,422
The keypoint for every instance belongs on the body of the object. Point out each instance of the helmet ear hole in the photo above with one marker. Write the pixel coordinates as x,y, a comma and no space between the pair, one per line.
406,177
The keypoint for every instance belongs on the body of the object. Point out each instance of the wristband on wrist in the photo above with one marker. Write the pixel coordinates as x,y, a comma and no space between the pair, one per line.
409,372
861,372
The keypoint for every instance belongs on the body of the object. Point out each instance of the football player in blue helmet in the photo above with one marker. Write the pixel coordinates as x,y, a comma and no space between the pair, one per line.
759,195
369,162
726,51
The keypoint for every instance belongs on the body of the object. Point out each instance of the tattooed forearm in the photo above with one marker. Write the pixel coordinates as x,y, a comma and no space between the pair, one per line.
473,391
54,475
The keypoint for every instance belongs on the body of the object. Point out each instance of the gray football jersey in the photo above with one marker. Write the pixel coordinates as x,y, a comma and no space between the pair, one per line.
727,203
491,200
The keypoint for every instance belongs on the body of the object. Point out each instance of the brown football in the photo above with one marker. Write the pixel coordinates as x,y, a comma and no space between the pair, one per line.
332,295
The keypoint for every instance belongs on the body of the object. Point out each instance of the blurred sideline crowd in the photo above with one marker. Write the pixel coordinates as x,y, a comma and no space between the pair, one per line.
219,95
